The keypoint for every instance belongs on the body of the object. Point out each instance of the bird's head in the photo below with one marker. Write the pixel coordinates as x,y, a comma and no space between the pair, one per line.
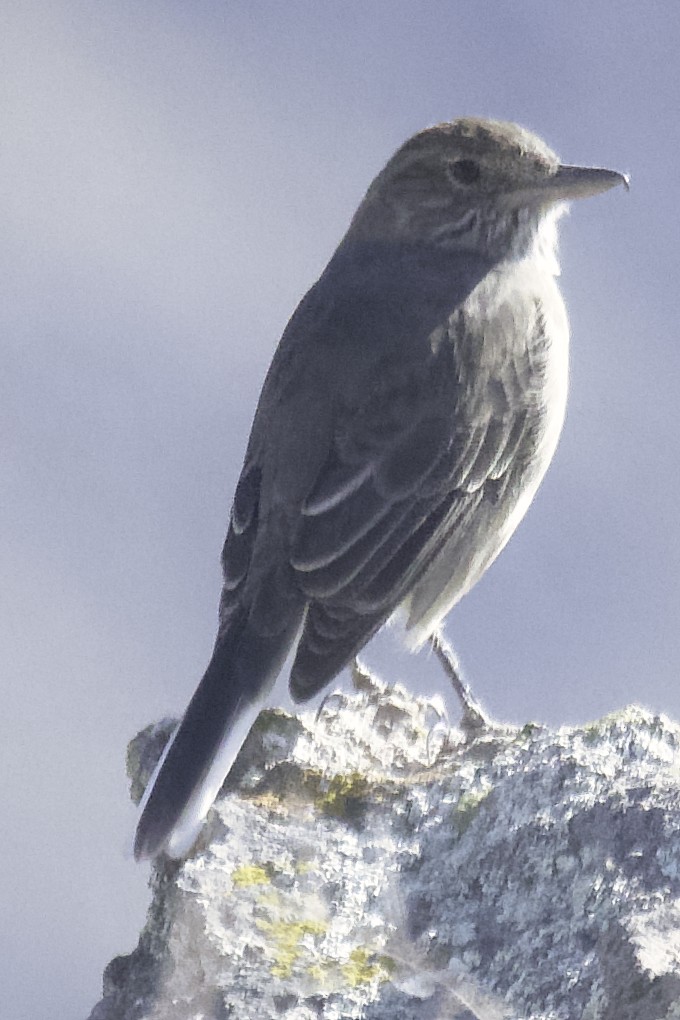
474,185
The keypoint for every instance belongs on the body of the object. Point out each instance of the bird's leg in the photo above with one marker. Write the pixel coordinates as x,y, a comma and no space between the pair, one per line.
363,680
474,719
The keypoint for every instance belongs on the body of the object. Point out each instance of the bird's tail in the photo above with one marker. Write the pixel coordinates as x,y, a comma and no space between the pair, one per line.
234,688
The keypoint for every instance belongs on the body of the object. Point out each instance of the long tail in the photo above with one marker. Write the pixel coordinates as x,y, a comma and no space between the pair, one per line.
242,671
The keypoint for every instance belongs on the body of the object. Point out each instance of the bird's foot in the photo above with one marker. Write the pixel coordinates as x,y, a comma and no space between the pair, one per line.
363,682
474,721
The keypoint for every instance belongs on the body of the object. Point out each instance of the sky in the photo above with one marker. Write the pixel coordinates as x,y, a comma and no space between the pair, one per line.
173,177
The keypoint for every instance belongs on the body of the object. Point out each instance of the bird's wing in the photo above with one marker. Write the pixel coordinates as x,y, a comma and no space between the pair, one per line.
359,466
403,472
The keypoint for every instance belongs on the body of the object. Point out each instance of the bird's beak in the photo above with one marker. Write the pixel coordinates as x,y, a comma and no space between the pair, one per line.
580,182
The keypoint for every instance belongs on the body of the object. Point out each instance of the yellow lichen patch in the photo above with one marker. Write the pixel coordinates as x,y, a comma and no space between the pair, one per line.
250,874
344,796
467,808
267,801
364,967
317,972
287,939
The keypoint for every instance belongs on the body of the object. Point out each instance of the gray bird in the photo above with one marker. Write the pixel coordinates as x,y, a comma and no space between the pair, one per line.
410,411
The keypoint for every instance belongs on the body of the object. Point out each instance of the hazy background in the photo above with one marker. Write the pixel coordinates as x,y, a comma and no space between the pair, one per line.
174,177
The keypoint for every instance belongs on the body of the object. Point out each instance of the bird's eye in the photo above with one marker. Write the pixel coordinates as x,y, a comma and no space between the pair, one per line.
466,171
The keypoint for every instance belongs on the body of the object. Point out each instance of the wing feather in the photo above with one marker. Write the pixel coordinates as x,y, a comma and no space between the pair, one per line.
407,453
354,592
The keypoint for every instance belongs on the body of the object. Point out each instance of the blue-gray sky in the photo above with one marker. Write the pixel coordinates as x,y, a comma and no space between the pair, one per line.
174,177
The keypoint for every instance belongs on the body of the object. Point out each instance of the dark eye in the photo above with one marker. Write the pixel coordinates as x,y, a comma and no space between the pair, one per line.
466,171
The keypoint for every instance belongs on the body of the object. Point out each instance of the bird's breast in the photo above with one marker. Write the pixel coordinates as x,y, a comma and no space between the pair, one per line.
509,346
511,350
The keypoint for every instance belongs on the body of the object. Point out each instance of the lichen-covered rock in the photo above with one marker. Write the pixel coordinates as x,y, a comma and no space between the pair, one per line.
365,864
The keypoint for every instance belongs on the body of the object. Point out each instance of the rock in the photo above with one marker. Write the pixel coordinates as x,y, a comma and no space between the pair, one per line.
366,864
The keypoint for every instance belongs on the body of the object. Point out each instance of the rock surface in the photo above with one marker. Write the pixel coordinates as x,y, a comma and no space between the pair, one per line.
368,864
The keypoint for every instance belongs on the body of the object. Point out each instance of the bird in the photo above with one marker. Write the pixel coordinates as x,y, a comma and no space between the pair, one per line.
408,416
